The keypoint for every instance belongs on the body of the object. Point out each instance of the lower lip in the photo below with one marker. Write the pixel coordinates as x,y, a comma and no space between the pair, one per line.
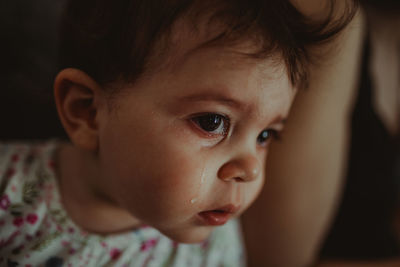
214,217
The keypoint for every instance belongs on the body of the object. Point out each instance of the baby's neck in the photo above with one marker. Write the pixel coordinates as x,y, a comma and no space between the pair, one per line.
84,202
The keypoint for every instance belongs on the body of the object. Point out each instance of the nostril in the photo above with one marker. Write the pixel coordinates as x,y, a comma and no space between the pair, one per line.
238,179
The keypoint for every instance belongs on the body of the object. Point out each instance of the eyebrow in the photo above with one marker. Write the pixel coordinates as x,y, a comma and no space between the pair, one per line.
279,120
215,97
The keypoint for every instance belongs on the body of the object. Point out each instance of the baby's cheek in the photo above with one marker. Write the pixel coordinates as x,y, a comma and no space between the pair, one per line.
182,181
181,177
252,192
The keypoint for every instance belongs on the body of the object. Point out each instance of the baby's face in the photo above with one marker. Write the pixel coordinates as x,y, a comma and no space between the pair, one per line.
184,149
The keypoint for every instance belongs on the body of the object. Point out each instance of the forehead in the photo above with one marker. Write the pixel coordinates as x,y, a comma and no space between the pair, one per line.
262,85
228,63
191,57
190,67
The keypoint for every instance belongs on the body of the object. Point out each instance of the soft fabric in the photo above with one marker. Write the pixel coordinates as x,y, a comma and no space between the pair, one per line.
35,229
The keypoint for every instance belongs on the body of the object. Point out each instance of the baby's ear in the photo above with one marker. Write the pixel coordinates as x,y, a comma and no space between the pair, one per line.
78,98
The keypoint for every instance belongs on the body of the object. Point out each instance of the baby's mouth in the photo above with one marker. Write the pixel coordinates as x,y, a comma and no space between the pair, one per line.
218,216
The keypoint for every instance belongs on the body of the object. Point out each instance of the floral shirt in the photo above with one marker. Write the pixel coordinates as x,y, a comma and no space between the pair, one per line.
35,229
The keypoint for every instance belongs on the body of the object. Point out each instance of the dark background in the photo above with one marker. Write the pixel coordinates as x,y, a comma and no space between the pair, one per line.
28,65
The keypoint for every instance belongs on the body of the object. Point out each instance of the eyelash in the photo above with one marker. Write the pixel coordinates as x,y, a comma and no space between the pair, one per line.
220,120
223,124
271,135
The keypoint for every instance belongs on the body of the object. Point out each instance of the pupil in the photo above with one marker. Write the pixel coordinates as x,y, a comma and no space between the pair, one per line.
210,122
263,136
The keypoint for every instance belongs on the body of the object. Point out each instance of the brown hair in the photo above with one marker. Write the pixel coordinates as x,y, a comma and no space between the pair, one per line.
114,40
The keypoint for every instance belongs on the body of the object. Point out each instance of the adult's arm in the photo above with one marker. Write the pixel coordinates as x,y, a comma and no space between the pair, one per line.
305,170
377,263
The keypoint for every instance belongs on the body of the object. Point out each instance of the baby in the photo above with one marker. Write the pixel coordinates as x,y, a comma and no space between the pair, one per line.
170,107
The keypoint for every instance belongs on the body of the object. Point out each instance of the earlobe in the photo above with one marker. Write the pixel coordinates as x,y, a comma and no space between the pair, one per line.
78,100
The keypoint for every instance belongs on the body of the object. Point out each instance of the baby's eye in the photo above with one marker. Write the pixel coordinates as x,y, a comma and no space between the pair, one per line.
266,135
212,123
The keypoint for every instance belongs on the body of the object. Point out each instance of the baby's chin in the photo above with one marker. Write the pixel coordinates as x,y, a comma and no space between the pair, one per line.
192,235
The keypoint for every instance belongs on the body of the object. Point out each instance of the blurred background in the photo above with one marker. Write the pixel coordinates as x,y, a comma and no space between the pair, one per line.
28,48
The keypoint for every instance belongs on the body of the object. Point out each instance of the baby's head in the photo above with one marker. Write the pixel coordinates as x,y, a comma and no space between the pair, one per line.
176,102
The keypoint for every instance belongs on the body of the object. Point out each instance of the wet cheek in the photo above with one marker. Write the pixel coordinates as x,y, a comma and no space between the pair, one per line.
167,171
176,177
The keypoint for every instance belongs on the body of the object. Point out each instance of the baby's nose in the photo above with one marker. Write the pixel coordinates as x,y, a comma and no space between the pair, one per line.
243,169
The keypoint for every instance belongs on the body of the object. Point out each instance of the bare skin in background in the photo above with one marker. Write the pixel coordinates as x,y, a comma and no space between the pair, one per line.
305,173
385,67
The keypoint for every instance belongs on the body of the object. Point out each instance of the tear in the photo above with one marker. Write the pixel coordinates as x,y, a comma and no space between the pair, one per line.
203,177
202,181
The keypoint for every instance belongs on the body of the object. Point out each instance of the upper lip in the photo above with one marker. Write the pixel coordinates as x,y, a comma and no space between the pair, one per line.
230,208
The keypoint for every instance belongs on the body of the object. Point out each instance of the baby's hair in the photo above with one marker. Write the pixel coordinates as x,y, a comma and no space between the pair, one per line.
115,40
